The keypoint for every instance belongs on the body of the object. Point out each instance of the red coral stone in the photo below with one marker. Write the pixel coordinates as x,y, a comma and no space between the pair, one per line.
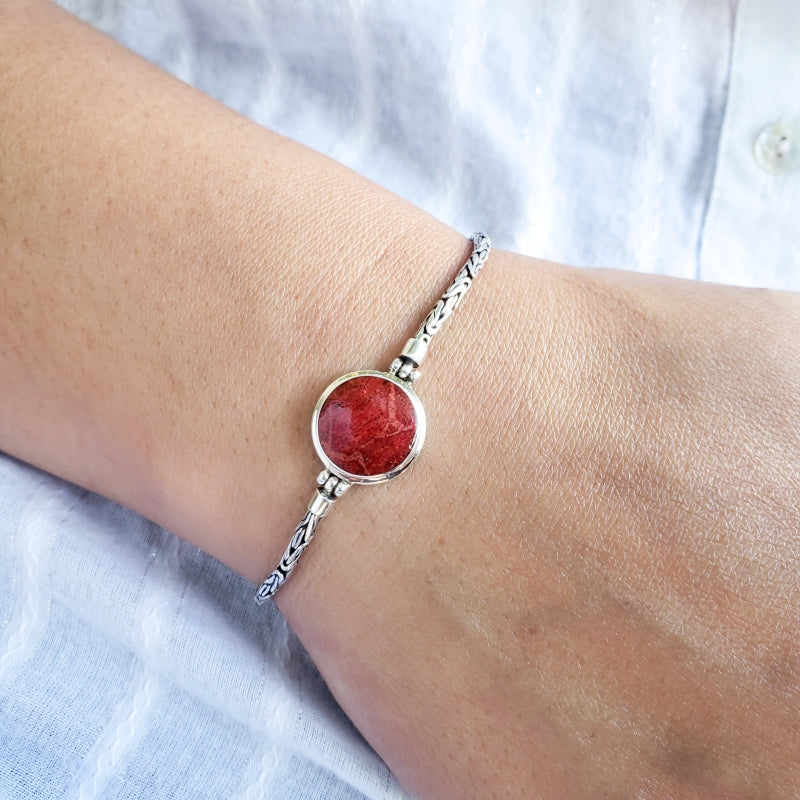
367,425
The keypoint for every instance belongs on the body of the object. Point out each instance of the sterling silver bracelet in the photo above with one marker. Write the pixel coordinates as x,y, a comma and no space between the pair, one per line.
368,426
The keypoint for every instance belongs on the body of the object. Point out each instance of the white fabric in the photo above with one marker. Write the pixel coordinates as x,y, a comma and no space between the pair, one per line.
764,88
616,134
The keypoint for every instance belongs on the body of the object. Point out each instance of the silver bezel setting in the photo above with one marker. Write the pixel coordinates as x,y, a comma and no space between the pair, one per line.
416,445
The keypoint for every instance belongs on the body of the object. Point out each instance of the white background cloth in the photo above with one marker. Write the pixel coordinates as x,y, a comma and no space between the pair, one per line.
614,134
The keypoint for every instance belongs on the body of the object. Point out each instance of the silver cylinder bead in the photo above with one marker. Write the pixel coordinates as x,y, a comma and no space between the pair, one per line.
415,350
320,504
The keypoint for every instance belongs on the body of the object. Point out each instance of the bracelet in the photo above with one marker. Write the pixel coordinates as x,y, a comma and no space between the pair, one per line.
368,426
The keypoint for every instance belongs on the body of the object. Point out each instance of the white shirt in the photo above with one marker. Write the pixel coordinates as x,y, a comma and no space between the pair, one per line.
614,134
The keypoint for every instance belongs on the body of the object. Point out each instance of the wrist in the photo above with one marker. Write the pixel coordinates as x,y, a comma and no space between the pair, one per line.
401,574
237,490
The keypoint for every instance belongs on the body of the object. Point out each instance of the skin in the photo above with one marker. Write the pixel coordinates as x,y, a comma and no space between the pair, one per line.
587,584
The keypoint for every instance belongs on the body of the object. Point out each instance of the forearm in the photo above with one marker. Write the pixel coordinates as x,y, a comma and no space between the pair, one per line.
178,284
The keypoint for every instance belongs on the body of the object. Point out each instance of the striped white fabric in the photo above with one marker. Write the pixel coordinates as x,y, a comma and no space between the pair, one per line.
614,134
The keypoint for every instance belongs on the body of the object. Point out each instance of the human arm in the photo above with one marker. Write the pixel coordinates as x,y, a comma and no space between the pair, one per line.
176,311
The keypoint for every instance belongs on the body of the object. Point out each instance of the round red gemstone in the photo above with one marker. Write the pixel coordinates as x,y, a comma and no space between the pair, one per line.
367,425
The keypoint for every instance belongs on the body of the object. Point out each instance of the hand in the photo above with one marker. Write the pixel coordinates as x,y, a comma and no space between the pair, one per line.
588,584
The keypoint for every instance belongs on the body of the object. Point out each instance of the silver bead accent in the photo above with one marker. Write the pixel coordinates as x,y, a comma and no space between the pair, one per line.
396,364
341,487
330,484
405,370
323,477
414,376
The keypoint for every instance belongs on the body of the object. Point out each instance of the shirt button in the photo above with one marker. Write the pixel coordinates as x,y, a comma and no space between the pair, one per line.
777,148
